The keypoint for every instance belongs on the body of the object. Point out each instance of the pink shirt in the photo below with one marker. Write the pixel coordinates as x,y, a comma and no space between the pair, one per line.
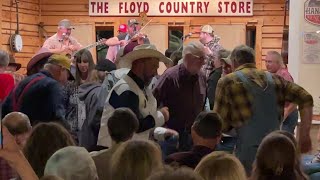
284,73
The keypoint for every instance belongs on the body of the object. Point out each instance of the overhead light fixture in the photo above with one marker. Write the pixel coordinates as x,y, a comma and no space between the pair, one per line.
318,31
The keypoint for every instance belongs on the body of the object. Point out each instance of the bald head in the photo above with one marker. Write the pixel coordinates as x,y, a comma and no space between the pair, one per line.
17,123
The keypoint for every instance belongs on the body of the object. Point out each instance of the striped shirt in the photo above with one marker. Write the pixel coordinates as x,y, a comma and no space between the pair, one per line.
234,103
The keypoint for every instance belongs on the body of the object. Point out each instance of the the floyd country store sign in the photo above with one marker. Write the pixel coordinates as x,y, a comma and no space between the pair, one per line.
171,7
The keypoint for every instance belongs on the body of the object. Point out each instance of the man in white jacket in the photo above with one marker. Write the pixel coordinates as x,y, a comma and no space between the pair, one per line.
132,91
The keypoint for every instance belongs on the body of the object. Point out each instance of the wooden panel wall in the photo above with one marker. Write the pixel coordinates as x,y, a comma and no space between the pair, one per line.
29,11
268,19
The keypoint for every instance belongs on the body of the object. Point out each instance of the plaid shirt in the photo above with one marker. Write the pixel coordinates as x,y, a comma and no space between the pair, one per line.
233,101
6,172
214,46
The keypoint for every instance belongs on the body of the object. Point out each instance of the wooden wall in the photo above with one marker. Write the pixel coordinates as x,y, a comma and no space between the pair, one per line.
268,20
29,11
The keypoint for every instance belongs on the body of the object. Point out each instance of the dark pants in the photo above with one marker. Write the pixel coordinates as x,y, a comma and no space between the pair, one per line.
185,141
226,144
290,123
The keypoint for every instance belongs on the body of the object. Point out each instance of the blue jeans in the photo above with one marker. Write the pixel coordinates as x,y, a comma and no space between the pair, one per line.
290,123
169,146
311,169
226,144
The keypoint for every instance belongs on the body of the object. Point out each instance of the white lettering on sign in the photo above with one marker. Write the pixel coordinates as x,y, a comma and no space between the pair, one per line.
171,7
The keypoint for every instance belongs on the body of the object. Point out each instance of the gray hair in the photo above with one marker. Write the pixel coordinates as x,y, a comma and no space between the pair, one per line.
4,58
194,48
243,54
223,53
277,57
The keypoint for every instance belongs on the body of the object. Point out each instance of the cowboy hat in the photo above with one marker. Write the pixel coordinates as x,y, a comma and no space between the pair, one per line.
42,55
142,51
13,63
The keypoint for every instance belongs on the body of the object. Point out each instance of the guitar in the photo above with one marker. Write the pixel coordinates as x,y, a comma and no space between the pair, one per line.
99,42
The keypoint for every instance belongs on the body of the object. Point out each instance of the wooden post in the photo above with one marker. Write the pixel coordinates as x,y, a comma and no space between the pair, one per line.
258,45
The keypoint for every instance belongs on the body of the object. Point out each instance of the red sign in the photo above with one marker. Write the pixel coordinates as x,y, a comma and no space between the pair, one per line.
312,11
171,7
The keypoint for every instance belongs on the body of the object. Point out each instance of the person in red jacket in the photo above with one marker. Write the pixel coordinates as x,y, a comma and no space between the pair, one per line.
6,80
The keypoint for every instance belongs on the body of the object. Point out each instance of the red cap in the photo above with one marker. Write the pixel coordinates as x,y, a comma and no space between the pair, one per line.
122,28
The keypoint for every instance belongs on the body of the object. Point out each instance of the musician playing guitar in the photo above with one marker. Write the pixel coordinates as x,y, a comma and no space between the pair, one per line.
62,42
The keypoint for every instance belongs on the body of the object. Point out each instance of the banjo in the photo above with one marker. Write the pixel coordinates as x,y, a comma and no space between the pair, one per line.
16,43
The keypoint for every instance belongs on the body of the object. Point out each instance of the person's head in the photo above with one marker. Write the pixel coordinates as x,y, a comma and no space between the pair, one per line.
207,129
206,34
133,26
276,159
64,28
169,52
274,61
70,163
13,66
104,66
220,165
19,126
58,66
135,160
122,124
242,55
44,140
4,59
143,60
179,174
193,57
222,53
175,57
84,65
227,65
122,29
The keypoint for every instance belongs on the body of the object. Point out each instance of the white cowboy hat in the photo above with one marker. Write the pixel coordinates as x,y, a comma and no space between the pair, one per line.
142,51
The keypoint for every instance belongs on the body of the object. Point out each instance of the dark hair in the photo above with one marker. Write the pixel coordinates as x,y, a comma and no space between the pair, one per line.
169,52
45,139
243,54
170,174
81,55
276,159
122,124
208,125
175,57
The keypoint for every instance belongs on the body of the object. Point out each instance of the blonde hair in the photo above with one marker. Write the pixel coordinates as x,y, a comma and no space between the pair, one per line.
221,166
135,160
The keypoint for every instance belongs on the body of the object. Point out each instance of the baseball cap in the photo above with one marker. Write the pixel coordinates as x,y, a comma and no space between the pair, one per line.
66,24
132,21
207,29
122,28
60,60
105,65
